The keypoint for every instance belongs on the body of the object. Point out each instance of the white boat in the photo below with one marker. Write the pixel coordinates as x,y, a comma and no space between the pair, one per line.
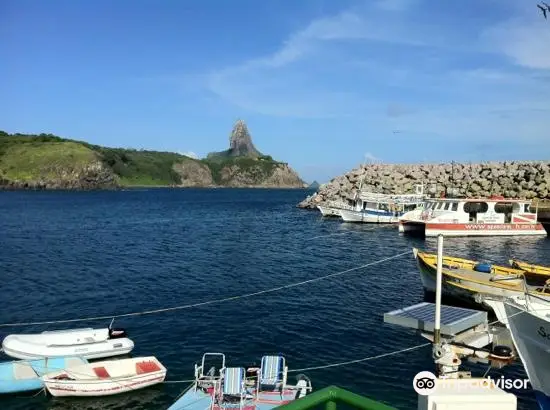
88,343
333,208
493,216
105,378
381,208
529,324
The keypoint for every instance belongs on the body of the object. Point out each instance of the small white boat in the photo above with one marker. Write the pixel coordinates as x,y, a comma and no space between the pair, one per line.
105,378
88,343
373,207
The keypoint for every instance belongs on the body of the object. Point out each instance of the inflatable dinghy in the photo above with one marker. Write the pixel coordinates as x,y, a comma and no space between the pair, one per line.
88,343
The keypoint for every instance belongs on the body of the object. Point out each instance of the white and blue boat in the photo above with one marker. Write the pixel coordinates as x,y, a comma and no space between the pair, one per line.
25,375
219,387
373,207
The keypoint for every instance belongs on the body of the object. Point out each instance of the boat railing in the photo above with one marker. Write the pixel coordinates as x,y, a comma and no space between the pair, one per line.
406,199
340,205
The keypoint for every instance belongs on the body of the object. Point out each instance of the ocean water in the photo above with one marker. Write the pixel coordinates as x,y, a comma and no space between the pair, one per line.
67,255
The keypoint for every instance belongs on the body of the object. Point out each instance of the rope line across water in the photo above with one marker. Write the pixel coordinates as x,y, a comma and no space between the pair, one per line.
210,302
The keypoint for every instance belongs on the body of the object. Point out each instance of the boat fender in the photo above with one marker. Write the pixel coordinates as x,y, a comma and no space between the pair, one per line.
117,333
500,351
483,267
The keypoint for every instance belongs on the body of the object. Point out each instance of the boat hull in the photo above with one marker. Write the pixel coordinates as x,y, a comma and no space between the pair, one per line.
531,336
431,229
328,211
102,387
368,217
108,348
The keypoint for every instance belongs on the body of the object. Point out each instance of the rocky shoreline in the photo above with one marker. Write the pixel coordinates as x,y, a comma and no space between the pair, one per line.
511,179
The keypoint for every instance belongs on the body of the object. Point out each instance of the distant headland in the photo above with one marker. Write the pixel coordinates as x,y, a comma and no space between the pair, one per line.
46,161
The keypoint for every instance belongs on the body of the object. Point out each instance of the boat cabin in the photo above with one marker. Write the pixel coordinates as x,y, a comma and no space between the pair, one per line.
481,210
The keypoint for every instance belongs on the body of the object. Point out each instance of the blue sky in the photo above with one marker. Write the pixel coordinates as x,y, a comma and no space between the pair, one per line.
322,84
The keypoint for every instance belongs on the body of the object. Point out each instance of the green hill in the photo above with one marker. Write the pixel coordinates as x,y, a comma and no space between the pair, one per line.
46,161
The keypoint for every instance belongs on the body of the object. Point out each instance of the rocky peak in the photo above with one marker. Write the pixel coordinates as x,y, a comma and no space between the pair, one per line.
240,142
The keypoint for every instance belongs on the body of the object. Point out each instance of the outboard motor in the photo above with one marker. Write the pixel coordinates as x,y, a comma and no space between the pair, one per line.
500,352
303,385
117,333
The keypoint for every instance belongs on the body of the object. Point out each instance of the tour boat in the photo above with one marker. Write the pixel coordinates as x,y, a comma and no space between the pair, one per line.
25,375
381,208
494,216
88,343
105,378
219,387
529,326
474,281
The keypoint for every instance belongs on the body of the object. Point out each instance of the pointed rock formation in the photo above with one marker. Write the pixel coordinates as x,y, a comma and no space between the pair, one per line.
240,142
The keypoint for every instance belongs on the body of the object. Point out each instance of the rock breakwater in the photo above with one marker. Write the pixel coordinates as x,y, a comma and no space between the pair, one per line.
511,179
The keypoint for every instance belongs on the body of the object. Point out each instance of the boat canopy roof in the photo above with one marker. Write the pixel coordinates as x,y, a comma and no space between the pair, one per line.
391,198
520,201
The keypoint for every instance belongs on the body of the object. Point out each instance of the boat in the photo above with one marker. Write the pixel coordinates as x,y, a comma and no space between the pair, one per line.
494,216
529,268
333,208
472,281
529,326
25,375
381,208
88,343
219,387
105,378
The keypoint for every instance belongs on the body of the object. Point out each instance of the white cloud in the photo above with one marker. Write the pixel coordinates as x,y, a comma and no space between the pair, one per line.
189,154
369,157
525,41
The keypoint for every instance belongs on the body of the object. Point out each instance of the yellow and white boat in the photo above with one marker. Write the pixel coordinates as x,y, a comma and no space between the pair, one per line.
530,269
467,279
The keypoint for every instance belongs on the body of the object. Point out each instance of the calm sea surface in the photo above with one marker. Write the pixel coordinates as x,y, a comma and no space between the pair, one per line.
67,255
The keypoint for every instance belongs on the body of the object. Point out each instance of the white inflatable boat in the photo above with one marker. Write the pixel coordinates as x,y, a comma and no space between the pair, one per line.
88,343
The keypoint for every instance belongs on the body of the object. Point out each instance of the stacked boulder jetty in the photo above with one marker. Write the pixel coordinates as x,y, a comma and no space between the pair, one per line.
511,179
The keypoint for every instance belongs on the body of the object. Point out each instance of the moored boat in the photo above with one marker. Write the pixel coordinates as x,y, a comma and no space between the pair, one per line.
530,268
471,280
219,387
88,343
106,377
381,208
333,208
25,375
493,216
530,329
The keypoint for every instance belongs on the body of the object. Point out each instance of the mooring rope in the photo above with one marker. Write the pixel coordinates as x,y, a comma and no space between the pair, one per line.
326,366
209,302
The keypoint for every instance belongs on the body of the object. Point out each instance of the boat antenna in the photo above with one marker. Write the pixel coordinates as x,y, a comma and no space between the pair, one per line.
111,324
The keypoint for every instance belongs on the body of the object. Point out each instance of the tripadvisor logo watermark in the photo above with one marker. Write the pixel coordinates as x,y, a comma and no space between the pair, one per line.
425,383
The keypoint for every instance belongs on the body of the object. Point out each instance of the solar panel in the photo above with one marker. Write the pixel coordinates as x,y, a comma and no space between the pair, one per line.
421,316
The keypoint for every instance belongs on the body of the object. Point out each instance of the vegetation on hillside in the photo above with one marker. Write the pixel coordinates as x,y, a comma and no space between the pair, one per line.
258,169
26,157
